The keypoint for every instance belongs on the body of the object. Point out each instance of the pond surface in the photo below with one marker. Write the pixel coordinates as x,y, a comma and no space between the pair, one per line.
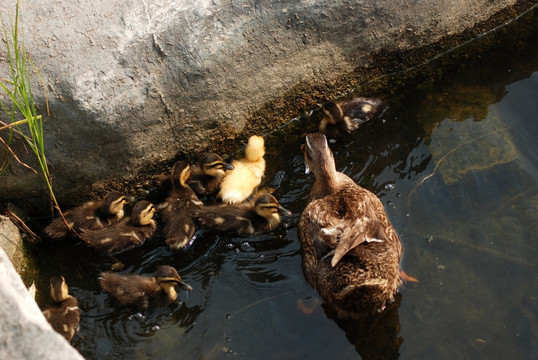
454,158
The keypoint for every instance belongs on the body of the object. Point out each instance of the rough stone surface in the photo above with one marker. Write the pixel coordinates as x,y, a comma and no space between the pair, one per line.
11,243
136,83
24,332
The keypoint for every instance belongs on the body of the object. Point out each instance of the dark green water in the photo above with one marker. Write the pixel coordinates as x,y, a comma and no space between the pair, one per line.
454,158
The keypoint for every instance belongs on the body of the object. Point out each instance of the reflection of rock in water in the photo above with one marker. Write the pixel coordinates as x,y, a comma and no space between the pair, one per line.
375,336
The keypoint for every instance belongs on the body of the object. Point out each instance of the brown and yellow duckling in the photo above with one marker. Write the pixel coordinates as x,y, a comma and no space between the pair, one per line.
351,252
258,215
247,174
126,234
177,211
343,117
206,178
63,315
90,215
146,291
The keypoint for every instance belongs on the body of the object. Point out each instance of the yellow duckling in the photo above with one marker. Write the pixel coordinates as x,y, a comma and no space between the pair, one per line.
144,292
258,215
178,209
343,117
247,174
206,178
351,252
64,314
90,215
126,234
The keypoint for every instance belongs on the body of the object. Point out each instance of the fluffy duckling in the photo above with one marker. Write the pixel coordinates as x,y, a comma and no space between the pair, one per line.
64,314
343,117
258,215
144,292
178,209
247,174
351,252
126,234
206,178
90,215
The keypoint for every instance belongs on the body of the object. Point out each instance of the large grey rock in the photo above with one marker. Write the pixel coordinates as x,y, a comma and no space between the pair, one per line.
24,332
135,83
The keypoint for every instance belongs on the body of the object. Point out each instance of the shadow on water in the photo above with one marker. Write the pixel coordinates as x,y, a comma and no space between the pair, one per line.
453,158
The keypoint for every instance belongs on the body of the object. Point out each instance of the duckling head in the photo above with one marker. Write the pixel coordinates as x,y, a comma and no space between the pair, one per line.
318,156
167,278
142,213
333,113
255,149
213,165
113,203
59,291
181,173
268,207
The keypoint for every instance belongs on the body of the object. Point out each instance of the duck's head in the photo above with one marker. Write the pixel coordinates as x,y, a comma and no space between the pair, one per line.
268,207
167,278
318,156
213,165
332,114
113,203
142,213
181,173
59,291
255,149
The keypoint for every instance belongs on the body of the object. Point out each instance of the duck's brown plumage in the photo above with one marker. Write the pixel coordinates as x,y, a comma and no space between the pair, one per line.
63,315
343,117
351,252
90,215
144,291
177,211
258,215
125,235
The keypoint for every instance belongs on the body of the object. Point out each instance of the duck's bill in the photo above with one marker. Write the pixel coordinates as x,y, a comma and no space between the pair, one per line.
284,211
227,166
185,286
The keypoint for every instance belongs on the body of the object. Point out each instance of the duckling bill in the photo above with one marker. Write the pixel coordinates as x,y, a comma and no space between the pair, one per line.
63,315
258,215
144,291
351,252
90,215
341,118
126,234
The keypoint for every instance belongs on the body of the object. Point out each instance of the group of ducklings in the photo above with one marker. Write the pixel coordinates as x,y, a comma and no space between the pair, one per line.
351,252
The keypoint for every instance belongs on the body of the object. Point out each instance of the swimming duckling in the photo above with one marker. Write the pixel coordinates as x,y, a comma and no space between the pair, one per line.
126,234
64,314
206,178
90,215
247,174
144,292
351,252
178,209
343,117
258,215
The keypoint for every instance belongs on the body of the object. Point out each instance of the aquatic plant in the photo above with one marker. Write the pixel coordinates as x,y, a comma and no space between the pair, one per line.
19,91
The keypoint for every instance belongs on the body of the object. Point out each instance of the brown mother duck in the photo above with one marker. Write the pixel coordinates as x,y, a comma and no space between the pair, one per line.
343,117
258,215
351,252
144,291
90,215
125,235
64,314
177,211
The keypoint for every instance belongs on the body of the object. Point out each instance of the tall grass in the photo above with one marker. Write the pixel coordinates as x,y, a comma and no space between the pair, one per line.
19,91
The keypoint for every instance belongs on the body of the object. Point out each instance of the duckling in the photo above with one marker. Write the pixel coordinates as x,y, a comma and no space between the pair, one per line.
206,178
247,174
90,215
258,215
178,209
144,292
64,314
126,234
351,252
343,117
